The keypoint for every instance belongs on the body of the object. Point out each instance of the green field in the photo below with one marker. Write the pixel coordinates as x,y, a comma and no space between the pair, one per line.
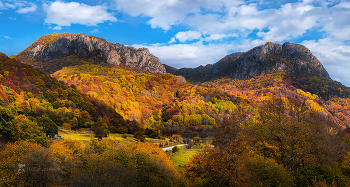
85,135
181,158
82,135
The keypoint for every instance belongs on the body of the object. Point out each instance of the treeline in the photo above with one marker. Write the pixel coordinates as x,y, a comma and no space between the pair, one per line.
101,163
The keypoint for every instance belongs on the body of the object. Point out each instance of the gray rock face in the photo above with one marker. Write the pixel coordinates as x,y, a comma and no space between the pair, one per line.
261,60
294,58
91,47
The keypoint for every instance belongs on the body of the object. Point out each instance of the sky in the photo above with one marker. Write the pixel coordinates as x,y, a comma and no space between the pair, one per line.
188,33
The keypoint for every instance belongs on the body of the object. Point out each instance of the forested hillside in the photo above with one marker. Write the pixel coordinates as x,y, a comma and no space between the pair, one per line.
320,94
34,104
163,104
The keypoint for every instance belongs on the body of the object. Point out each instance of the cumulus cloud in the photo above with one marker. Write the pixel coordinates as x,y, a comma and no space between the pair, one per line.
65,14
166,13
7,37
188,35
334,55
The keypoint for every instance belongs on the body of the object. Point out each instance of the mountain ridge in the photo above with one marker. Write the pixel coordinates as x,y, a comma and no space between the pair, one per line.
52,52
261,60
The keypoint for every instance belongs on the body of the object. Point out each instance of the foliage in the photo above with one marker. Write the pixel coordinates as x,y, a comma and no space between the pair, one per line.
267,172
44,103
162,103
6,122
287,138
67,163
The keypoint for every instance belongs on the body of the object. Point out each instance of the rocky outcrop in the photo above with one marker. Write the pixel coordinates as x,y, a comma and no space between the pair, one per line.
293,58
261,60
45,54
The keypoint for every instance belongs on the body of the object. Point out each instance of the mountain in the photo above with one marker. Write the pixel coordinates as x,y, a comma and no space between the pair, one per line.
52,52
261,60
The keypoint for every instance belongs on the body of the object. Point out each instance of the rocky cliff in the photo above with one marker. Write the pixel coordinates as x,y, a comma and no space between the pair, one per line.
289,57
52,52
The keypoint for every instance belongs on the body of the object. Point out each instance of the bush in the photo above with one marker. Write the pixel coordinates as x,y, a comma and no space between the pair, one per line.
175,149
267,172
325,173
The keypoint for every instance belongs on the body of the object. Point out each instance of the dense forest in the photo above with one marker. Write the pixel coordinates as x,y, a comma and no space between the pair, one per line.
34,104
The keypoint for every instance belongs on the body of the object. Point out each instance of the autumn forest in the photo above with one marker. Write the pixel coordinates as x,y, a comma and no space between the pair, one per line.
281,127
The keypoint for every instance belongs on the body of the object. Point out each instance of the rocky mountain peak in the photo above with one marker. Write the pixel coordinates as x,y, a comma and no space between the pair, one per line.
52,52
261,60
294,58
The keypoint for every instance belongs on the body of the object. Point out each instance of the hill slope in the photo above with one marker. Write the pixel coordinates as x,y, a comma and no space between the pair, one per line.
36,103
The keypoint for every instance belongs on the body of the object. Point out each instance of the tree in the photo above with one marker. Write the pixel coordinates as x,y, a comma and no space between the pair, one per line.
50,128
41,168
175,149
294,135
28,130
6,122
267,172
139,135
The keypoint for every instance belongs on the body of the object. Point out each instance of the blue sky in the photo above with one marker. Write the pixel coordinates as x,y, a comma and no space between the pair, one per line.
188,33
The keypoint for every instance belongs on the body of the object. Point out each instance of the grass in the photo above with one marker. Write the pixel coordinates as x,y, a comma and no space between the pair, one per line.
181,158
84,135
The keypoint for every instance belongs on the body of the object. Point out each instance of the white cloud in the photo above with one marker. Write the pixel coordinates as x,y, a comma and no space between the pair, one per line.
26,9
65,14
2,6
12,18
195,54
172,40
219,36
22,7
165,13
8,5
7,37
94,31
57,28
334,55
188,35
187,55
